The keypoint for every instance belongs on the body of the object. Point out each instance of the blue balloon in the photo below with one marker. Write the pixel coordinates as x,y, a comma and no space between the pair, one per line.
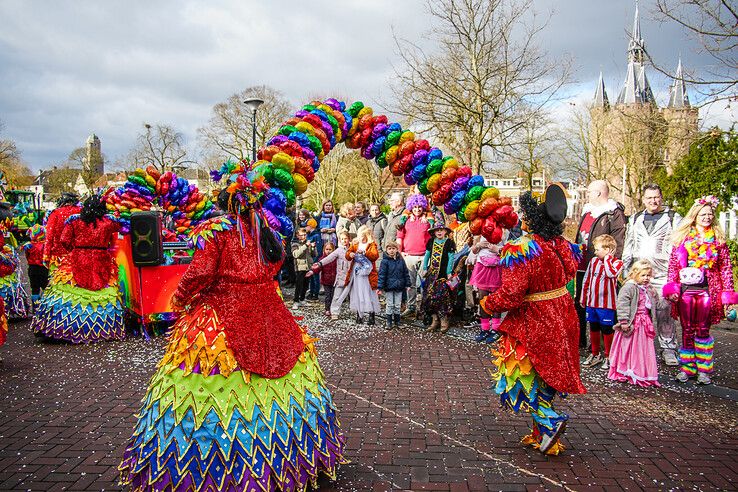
394,127
435,153
475,180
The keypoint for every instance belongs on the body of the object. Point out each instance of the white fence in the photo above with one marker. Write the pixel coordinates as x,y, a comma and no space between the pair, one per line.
729,222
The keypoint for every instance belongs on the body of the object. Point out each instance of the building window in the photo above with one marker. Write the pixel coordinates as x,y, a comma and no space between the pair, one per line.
536,182
515,202
506,182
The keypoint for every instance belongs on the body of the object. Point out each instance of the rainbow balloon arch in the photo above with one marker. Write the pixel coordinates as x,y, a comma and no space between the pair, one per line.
291,158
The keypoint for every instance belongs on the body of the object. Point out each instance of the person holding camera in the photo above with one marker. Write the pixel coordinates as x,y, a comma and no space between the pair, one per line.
303,252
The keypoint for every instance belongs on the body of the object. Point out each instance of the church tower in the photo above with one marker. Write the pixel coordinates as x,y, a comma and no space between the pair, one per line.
94,162
681,120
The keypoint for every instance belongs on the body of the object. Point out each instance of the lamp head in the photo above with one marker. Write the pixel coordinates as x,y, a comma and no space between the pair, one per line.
253,103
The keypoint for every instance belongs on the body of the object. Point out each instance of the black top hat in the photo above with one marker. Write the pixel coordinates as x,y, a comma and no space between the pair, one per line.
554,203
440,225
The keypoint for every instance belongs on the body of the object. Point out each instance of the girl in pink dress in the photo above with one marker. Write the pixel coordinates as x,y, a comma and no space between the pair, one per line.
632,355
486,278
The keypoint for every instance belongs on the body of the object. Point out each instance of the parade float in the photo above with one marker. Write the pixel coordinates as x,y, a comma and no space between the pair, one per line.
288,163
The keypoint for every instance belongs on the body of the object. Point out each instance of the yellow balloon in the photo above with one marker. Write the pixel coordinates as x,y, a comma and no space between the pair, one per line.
406,136
491,192
471,210
434,182
451,163
283,161
305,127
366,110
301,184
391,154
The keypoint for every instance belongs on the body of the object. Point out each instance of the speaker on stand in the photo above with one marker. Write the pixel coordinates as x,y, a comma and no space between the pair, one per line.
146,244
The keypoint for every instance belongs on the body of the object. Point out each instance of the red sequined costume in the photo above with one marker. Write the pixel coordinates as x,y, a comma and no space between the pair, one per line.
82,303
238,402
53,248
3,323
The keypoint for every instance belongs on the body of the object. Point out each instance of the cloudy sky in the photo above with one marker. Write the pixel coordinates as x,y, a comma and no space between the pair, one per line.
71,68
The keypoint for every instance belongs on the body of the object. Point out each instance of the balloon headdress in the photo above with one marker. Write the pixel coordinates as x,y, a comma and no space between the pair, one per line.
36,233
545,216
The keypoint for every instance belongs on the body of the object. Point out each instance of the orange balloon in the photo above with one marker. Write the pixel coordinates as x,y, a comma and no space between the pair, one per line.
487,206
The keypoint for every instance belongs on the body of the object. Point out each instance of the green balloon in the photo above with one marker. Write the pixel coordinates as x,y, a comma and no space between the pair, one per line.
333,122
423,186
308,107
283,179
266,170
382,160
290,195
434,167
392,139
461,214
287,130
474,194
315,144
355,108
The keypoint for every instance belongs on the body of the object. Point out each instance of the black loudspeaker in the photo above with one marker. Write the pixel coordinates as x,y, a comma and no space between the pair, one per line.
146,244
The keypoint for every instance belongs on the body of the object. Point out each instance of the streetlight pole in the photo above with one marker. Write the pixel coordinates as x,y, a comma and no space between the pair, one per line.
253,104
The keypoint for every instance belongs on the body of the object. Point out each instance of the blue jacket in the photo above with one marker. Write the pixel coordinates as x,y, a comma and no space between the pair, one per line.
393,274
316,239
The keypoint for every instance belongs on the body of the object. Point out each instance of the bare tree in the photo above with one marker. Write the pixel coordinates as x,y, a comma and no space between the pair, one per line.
714,25
230,128
532,151
487,67
160,146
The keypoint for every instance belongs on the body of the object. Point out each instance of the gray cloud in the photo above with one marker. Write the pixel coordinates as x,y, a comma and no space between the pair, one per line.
73,68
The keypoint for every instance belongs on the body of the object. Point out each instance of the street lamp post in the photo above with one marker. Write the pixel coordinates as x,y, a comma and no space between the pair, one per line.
253,104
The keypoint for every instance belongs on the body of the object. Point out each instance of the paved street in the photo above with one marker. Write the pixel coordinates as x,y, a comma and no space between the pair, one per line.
416,408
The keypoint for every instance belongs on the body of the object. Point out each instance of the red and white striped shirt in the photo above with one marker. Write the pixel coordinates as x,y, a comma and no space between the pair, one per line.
600,282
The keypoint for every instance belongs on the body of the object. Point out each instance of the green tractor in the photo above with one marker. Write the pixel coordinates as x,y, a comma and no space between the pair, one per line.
21,207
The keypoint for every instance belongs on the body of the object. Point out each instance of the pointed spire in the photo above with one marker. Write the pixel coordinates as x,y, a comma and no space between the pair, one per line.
678,98
636,89
600,97
636,46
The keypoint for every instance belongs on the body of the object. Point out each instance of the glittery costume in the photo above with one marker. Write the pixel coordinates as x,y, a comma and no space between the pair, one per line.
238,401
3,323
538,354
82,303
437,298
54,250
700,306
17,302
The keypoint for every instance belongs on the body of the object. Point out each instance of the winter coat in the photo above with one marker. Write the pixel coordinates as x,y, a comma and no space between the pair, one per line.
610,219
350,226
378,224
394,222
338,257
394,275
327,271
372,254
303,255
654,246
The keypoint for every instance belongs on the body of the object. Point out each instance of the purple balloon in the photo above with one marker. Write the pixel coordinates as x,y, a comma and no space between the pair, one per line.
333,104
459,184
409,179
278,139
378,131
272,220
419,156
367,152
302,113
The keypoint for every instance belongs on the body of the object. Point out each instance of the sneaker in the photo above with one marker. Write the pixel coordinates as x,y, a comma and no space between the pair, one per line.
296,305
670,358
492,336
334,317
408,312
547,441
328,313
682,377
605,365
482,335
592,360
703,378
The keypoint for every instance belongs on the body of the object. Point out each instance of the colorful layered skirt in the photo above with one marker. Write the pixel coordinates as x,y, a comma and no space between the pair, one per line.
3,323
17,302
521,388
74,314
206,425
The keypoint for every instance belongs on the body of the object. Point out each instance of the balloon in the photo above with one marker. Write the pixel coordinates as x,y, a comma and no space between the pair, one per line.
283,179
476,226
301,183
471,210
491,192
434,181
392,154
475,180
435,166
272,220
450,163
474,193
284,161
460,184
487,206
423,186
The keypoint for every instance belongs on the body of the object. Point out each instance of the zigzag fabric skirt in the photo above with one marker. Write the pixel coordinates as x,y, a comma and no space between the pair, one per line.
521,388
17,302
71,313
206,425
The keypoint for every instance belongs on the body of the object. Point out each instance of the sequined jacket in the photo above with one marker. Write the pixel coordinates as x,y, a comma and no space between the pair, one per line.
232,279
53,248
93,266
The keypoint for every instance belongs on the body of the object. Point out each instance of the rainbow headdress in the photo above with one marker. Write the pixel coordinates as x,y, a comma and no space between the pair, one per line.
521,388
207,425
77,315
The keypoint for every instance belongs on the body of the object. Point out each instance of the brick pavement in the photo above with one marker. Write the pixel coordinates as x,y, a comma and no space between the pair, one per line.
416,408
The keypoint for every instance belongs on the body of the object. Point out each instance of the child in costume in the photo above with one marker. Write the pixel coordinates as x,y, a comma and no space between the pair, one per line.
327,274
38,274
343,267
633,355
82,303
486,277
538,353
438,264
362,286
303,252
700,286
599,297
17,303
54,250
238,402
313,235
393,279
3,325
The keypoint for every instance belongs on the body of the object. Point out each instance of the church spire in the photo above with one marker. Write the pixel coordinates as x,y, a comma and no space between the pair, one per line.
636,89
600,97
678,98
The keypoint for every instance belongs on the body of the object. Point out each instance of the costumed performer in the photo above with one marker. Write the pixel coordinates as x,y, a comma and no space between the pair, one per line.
238,401
3,325
54,250
82,303
17,302
38,274
700,286
538,352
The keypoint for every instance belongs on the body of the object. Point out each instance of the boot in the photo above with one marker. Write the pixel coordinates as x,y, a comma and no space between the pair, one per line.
390,322
435,324
359,319
444,324
396,320
371,319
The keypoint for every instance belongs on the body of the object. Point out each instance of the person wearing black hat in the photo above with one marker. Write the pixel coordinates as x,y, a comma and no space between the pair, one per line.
538,353
438,265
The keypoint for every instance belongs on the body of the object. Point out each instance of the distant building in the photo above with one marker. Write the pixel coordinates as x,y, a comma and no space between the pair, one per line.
632,138
94,163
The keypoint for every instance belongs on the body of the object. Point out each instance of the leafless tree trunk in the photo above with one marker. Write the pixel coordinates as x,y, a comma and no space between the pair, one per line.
470,92
714,25
160,146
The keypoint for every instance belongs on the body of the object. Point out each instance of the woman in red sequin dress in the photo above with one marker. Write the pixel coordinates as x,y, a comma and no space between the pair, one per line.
538,353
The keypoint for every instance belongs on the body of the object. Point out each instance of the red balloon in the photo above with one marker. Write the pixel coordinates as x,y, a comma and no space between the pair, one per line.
505,200
464,171
396,168
366,136
406,162
407,148
422,145
506,216
379,119
365,122
489,226
313,120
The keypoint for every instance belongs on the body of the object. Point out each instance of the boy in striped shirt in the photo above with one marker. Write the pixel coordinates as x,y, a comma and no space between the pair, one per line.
599,294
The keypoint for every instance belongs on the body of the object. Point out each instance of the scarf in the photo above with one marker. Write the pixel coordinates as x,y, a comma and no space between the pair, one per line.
701,249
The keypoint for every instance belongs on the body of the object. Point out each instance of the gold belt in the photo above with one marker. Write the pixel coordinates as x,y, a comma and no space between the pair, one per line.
545,296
